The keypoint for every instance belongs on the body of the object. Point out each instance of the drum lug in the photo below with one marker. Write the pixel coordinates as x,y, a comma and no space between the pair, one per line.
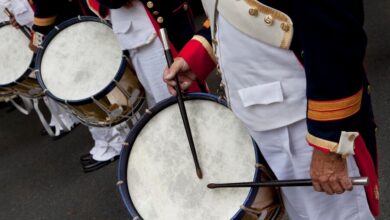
120,182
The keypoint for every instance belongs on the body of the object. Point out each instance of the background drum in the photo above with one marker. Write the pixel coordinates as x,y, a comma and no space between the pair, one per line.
6,95
82,66
16,60
157,178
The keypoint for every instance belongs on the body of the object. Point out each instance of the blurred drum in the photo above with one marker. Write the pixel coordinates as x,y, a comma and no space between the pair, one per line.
6,95
82,66
157,178
16,61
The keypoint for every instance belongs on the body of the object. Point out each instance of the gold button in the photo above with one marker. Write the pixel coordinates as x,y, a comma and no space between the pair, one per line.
285,27
351,137
185,6
268,20
253,12
149,4
156,13
376,130
160,20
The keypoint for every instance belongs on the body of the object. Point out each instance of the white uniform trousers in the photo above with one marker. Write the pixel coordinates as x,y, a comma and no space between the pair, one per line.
108,141
289,156
59,113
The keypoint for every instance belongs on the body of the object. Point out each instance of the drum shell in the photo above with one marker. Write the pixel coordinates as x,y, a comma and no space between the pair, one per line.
28,87
6,94
94,115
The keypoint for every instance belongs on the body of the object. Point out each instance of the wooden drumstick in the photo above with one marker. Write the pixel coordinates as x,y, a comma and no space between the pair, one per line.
281,183
26,31
183,112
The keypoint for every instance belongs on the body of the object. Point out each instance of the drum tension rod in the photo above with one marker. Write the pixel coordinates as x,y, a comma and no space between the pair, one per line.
180,101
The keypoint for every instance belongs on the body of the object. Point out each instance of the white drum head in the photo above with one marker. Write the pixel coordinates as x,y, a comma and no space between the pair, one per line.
80,61
162,181
15,55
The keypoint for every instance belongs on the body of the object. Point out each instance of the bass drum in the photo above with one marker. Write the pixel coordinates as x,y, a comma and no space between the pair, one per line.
16,61
157,178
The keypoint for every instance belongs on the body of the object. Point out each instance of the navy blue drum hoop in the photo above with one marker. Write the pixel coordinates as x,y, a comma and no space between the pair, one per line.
132,138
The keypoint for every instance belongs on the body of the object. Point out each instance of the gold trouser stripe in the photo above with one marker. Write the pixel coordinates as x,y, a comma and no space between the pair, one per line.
335,110
206,45
322,143
44,21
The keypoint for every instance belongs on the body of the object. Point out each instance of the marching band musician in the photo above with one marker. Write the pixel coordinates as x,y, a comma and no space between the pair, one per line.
293,73
136,25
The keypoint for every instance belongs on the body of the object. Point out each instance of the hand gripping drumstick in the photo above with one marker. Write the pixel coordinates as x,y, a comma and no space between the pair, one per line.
280,183
26,31
180,101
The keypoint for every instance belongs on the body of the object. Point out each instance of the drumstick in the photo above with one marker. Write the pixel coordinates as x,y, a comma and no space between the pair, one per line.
26,31
183,112
280,183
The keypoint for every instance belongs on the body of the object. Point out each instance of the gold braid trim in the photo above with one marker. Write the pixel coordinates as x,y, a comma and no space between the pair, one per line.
44,21
336,109
206,45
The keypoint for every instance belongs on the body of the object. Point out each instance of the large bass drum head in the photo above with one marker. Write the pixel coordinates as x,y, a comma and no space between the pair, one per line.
15,54
79,60
157,169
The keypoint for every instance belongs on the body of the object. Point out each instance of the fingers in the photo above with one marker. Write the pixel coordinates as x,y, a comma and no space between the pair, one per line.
332,184
181,69
346,183
185,83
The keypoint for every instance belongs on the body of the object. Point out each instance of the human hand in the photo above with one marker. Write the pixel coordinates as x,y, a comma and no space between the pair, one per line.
13,22
181,68
329,173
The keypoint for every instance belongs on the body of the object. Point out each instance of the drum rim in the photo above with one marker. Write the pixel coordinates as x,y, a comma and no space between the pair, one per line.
49,37
131,138
28,70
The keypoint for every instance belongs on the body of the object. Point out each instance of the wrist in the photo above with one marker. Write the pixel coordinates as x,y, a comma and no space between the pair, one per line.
344,147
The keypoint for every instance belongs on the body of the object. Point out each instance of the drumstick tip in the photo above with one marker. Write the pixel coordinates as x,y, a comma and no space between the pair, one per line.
199,173
211,186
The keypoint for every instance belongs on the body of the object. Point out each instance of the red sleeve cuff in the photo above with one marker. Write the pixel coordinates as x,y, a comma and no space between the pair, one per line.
199,56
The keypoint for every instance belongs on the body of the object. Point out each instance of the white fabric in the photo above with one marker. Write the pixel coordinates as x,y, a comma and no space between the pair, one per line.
289,156
108,141
136,34
132,26
20,8
58,112
347,143
273,77
236,12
